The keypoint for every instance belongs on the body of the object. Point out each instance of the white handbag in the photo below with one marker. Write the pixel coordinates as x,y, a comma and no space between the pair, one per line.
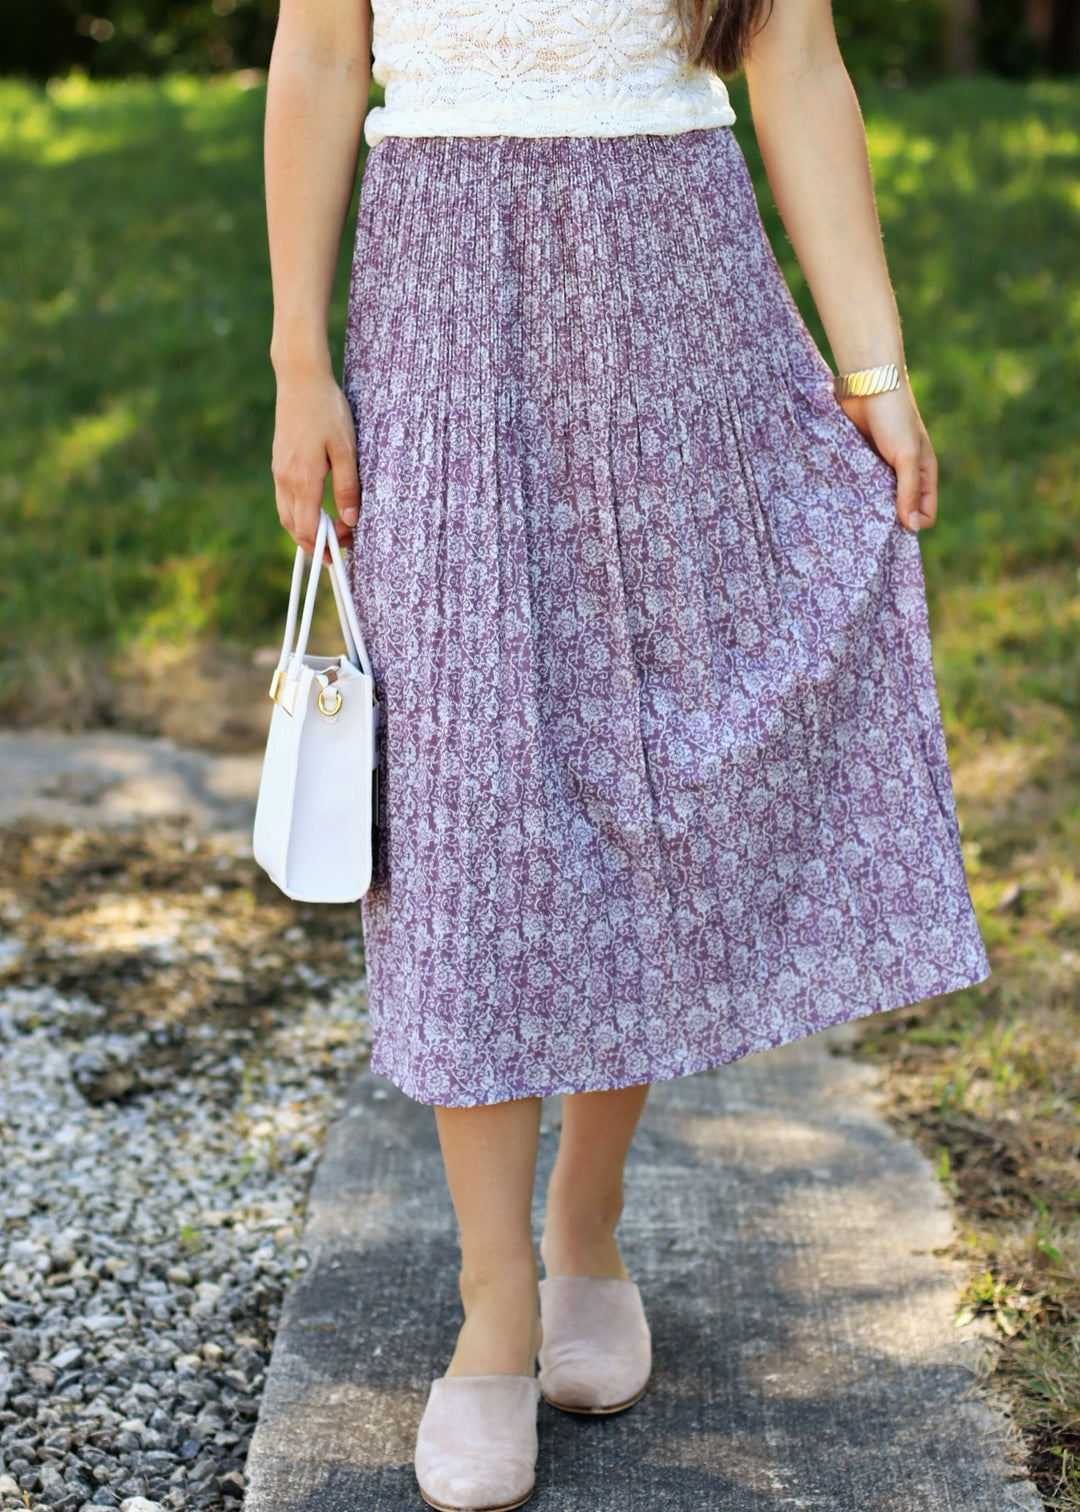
317,795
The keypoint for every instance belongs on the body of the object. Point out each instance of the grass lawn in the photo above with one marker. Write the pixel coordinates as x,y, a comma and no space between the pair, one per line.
138,524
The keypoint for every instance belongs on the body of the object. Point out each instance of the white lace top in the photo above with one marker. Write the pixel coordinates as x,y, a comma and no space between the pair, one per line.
537,68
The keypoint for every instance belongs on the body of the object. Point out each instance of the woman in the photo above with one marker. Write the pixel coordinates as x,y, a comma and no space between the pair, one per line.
664,775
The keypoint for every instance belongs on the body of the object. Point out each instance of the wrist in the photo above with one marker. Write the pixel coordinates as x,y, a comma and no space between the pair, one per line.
300,357
866,342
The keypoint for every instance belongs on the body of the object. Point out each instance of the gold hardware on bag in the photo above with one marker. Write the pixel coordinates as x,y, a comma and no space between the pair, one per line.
330,699
284,693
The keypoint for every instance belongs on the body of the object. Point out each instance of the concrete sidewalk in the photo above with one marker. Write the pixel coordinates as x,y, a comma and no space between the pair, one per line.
783,1239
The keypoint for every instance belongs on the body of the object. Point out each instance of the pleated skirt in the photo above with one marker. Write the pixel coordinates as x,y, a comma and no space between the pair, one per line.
664,780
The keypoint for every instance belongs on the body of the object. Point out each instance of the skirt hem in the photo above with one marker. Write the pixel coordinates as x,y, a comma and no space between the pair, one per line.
708,1063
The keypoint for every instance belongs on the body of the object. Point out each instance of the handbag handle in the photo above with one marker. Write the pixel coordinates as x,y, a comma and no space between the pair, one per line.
283,689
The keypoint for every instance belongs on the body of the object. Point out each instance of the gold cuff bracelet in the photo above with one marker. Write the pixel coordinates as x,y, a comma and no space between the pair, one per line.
868,381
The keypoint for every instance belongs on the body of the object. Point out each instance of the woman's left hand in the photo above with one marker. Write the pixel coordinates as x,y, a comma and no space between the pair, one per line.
891,423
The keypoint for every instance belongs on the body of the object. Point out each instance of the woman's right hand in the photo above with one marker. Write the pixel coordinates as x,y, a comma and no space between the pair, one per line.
313,434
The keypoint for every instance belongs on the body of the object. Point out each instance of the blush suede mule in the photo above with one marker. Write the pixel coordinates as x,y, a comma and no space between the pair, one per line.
476,1445
597,1352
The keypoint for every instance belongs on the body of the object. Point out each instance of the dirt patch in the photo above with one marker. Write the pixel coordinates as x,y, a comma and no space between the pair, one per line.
167,940
991,1093
210,697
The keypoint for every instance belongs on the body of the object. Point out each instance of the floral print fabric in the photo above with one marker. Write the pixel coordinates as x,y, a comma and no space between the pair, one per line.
664,778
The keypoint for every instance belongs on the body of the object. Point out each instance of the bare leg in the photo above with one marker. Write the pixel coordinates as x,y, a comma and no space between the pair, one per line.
490,1159
585,1193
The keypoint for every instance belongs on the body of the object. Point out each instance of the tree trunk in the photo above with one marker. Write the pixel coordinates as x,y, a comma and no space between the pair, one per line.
961,35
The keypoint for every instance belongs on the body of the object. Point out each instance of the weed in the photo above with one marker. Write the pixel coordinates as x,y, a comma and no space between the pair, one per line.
191,1238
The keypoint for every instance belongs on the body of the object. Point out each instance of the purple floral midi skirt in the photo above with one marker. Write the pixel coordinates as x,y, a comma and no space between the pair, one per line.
664,779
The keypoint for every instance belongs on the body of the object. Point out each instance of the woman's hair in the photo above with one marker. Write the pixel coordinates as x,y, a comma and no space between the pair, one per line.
718,35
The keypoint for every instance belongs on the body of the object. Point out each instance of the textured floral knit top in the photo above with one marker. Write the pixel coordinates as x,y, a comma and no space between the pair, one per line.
537,68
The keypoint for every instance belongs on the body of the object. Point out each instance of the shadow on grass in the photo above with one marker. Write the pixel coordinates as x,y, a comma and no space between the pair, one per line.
134,463
135,491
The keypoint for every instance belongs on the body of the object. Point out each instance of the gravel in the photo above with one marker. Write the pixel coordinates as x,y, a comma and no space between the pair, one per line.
151,1196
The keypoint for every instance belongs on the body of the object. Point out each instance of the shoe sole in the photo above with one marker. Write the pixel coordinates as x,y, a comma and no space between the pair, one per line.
502,1506
596,1411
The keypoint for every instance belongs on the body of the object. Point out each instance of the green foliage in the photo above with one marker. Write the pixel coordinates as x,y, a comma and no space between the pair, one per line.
110,38
897,41
1003,42
903,41
135,323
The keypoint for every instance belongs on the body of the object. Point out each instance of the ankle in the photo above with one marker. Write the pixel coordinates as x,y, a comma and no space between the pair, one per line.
488,1283
501,1332
570,1222
571,1207
590,1249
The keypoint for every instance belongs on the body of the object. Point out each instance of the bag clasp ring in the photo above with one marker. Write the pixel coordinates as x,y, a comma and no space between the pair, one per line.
329,699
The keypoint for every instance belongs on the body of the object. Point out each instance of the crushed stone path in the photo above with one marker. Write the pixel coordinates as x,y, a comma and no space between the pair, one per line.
169,1060
783,1238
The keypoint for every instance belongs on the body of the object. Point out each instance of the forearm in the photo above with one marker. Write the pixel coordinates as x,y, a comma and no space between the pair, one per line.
316,100
813,144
